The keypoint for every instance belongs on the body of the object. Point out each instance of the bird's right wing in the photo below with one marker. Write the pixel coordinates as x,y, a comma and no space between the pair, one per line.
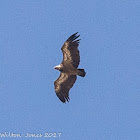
63,85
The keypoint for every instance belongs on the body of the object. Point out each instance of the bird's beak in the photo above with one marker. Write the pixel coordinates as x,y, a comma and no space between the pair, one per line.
57,67
54,67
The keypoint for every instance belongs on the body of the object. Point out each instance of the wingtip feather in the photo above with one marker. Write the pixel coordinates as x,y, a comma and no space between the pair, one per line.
73,37
62,98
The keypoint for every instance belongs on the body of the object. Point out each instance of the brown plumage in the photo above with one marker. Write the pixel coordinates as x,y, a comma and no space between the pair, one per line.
68,68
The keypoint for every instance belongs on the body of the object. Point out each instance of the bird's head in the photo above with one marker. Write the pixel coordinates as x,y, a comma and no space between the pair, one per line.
58,67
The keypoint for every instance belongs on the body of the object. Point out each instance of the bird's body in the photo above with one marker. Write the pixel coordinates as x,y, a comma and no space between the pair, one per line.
68,68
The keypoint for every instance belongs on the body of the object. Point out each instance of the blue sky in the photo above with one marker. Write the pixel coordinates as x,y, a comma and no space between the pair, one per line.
104,105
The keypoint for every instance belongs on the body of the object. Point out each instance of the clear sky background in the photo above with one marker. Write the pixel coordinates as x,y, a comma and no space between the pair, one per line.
104,105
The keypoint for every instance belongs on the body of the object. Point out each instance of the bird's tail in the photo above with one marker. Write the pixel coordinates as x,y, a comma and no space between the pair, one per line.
81,72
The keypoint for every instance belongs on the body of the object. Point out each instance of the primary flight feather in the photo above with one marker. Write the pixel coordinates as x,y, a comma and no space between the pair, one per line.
68,68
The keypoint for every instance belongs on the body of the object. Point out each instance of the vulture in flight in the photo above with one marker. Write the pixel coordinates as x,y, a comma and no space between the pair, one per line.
68,68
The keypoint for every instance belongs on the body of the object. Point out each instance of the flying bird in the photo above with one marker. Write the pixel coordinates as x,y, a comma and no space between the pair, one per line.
68,68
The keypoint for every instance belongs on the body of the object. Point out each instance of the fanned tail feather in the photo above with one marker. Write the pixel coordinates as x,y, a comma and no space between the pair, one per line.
81,72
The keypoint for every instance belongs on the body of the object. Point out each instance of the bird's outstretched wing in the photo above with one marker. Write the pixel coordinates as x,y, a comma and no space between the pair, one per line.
70,51
63,85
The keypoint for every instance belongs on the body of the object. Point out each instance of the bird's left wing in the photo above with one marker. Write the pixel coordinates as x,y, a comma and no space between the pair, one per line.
70,51
63,85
